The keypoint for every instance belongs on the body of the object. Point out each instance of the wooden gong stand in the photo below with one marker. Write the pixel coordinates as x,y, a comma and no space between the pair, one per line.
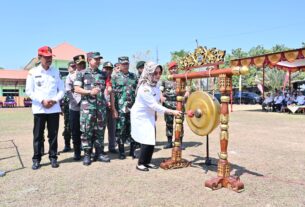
223,178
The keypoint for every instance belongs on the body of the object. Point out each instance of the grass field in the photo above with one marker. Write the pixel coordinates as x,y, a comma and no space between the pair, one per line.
267,151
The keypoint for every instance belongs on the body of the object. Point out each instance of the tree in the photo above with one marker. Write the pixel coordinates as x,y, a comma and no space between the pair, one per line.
176,55
139,56
279,48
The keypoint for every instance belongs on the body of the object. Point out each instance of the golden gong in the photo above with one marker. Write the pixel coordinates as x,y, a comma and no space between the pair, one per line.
202,113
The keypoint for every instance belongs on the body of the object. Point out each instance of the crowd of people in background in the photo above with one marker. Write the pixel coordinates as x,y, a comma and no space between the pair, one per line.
278,101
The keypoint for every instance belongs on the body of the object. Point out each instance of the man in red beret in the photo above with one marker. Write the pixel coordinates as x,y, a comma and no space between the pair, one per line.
46,89
168,88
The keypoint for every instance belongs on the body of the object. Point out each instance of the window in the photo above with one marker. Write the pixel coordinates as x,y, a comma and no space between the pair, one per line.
63,72
10,92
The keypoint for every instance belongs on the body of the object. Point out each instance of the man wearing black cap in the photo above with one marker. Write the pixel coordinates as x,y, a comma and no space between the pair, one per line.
140,68
111,111
74,104
124,86
91,85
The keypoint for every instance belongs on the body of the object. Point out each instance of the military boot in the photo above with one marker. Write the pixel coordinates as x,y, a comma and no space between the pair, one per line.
169,143
102,157
87,157
76,152
121,152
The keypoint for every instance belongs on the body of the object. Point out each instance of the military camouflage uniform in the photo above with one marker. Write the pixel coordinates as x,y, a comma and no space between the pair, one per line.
93,108
124,87
65,110
168,89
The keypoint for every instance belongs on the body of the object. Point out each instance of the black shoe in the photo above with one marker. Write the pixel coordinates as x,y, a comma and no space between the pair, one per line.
182,147
67,149
132,150
168,145
76,157
121,152
54,163
103,158
113,151
36,165
152,166
142,168
87,160
93,156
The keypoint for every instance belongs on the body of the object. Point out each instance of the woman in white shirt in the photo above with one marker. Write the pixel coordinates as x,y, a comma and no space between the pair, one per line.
143,113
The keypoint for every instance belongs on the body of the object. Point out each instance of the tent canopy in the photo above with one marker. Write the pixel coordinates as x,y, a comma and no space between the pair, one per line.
290,60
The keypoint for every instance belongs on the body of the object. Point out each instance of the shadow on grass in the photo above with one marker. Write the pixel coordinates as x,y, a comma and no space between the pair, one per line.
186,144
238,170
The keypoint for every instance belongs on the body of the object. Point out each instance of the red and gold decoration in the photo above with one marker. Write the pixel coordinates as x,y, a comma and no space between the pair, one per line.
273,59
176,160
202,56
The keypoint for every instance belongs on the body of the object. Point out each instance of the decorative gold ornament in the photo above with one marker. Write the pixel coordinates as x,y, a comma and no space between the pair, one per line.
224,119
225,99
224,135
202,56
223,156
180,98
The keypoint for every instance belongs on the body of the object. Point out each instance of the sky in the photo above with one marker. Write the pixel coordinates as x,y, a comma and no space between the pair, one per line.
124,28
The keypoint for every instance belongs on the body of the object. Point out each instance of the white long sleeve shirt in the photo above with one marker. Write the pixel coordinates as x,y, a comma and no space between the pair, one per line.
142,114
44,84
300,100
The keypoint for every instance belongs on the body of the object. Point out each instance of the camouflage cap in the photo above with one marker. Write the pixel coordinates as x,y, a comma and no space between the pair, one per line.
123,59
94,55
140,64
79,58
107,65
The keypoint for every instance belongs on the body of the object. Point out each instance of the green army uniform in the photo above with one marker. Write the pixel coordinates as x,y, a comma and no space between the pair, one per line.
124,88
93,112
168,89
67,131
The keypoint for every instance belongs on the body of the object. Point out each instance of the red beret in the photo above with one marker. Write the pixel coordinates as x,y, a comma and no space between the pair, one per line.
45,51
172,64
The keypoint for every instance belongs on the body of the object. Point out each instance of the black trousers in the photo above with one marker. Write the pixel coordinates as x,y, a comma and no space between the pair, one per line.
40,121
74,117
146,154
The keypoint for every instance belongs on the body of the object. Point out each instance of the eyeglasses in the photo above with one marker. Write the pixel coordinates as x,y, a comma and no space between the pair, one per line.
157,73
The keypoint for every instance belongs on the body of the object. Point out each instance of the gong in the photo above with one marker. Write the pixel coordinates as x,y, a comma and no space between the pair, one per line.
202,113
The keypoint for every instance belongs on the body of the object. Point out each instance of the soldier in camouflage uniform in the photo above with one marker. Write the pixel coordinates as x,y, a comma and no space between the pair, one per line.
64,103
168,89
124,84
91,85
